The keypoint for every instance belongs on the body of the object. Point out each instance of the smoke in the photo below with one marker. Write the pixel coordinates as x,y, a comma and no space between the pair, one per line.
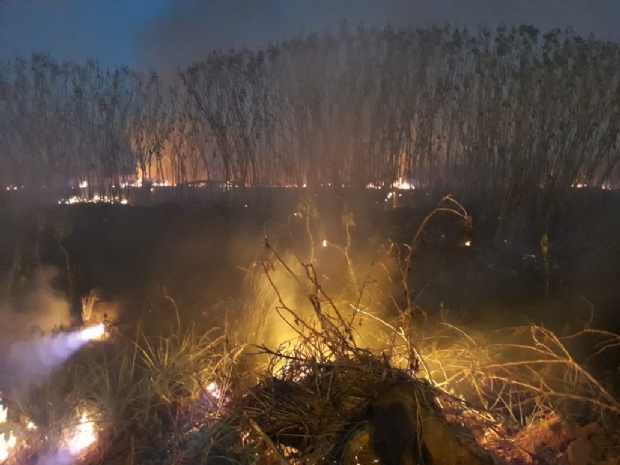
27,349
36,307
189,29
31,360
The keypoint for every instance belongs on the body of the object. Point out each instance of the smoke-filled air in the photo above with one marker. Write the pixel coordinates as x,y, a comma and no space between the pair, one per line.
305,233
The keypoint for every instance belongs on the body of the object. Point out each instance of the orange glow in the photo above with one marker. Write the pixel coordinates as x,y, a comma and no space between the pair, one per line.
82,437
6,443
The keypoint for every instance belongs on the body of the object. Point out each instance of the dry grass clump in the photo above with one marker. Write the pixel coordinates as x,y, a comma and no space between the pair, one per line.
88,306
522,371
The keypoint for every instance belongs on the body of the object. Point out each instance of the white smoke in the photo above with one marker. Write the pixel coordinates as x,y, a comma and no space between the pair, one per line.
37,307
28,350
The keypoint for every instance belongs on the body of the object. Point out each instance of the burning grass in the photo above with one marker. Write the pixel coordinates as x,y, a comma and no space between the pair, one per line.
119,397
313,372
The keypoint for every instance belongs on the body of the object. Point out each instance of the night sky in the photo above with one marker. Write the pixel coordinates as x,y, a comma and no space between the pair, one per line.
165,34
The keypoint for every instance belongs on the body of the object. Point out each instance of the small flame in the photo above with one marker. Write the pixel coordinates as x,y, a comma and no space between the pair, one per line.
467,243
83,184
324,243
214,390
94,332
403,185
83,436
5,444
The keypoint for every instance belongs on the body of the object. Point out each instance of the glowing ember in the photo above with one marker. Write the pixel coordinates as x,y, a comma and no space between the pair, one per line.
93,333
214,390
467,243
324,243
83,436
96,199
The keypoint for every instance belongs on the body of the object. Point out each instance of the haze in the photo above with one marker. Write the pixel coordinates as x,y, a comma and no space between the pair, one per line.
166,34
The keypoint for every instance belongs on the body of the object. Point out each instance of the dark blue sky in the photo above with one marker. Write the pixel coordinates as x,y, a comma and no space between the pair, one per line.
170,33
76,29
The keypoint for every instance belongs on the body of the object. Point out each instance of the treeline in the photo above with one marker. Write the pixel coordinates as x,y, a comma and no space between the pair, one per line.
505,112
